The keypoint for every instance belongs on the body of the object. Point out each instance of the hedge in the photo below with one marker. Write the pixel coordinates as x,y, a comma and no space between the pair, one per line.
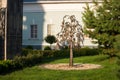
76,52
19,63
32,57
64,53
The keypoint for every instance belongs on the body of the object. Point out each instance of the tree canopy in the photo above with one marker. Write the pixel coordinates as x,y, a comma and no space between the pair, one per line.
50,39
102,22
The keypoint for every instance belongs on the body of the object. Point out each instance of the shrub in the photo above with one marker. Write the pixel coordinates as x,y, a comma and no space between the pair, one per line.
117,43
86,52
77,52
33,57
61,53
6,66
29,47
64,52
111,52
47,48
25,52
50,39
20,62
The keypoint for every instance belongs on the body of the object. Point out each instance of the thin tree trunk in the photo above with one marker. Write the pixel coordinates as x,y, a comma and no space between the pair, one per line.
5,41
71,55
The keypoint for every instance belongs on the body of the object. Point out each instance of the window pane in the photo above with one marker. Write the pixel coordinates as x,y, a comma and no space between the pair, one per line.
49,29
33,31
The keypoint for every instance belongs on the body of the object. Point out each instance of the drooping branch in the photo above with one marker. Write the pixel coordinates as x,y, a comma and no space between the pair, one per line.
71,35
71,30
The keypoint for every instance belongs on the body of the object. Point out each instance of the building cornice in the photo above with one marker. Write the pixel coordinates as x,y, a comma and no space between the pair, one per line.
60,2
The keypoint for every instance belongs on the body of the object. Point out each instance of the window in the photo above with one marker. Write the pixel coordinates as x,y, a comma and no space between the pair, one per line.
49,29
33,31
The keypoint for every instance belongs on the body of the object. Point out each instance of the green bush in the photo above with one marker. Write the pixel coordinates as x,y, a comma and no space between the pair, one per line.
64,52
20,62
111,52
50,39
29,60
47,48
6,66
48,53
76,52
61,53
29,47
25,52
86,52
33,57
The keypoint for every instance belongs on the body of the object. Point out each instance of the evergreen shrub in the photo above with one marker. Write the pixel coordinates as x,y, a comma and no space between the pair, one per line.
20,62
33,57
47,48
29,47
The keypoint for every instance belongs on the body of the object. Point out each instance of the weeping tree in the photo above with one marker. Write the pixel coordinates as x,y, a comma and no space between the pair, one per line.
71,35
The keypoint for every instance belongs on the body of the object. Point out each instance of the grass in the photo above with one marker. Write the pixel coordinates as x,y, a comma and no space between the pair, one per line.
108,72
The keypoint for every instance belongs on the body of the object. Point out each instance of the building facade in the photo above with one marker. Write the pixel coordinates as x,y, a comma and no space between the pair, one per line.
10,28
44,17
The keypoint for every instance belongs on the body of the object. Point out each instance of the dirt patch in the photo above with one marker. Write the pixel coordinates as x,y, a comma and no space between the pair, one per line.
65,66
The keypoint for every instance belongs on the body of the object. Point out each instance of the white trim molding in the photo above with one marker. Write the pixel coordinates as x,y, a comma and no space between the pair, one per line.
63,2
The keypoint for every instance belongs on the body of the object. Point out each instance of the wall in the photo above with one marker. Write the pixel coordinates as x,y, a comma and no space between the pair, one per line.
50,14
4,3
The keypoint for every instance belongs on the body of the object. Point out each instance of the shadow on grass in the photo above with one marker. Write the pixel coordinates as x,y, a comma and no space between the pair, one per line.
46,60
51,59
42,61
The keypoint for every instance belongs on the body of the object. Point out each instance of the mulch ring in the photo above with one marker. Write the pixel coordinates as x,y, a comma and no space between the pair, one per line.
76,66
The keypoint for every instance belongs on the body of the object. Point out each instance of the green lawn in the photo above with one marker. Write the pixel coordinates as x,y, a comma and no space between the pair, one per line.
108,72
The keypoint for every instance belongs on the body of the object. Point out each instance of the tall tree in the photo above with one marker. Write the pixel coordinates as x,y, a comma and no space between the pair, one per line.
102,22
70,34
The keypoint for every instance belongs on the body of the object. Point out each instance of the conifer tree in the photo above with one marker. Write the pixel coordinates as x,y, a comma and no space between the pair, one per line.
102,22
